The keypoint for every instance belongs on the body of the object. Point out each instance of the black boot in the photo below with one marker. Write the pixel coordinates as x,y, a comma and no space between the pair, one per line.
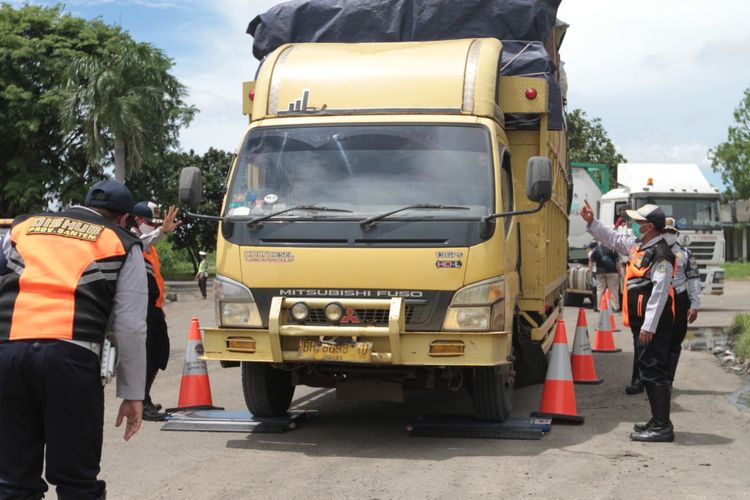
661,431
674,358
645,426
635,387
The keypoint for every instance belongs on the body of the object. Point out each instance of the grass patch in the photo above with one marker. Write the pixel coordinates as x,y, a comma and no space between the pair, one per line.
739,333
737,270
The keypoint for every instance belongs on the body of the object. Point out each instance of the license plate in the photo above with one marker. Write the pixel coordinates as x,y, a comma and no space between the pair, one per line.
356,352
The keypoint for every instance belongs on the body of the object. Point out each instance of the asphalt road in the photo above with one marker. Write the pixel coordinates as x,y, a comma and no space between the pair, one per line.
362,449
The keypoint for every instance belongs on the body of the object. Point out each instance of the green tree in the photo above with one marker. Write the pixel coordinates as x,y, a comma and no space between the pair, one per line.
123,105
37,160
588,142
42,162
158,181
732,158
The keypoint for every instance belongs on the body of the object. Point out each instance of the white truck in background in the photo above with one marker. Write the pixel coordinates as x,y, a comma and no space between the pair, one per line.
589,181
684,193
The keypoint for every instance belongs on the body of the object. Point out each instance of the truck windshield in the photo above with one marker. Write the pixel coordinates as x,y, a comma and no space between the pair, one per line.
365,170
688,213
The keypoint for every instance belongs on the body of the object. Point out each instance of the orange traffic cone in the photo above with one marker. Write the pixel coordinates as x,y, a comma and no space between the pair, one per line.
195,389
582,361
603,340
612,324
558,395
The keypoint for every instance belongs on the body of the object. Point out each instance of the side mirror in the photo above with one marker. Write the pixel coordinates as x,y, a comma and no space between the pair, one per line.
539,179
191,187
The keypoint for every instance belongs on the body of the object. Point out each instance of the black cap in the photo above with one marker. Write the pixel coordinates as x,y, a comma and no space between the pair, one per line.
111,195
142,209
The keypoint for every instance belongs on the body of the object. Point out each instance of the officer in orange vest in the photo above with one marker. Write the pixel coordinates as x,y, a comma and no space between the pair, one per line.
157,337
73,276
647,308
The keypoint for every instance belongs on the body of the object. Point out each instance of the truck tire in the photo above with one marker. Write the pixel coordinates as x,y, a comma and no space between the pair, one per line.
493,392
268,391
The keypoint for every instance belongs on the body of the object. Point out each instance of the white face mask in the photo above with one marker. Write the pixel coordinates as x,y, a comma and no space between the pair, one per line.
145,228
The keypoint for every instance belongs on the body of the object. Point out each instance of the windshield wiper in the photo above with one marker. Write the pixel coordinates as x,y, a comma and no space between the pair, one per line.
312,208
369,223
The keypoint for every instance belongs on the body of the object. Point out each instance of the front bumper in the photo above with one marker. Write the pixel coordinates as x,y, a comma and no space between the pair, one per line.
391,344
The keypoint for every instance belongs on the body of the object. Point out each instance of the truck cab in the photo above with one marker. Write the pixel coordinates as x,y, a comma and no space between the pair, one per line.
683,192
383,229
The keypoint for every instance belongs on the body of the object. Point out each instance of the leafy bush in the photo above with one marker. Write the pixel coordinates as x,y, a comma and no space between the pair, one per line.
739,333
175,263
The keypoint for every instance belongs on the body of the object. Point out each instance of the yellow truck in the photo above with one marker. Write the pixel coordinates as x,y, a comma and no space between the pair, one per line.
383,229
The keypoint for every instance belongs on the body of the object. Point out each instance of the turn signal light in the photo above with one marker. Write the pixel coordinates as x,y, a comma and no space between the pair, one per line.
447,348
240,344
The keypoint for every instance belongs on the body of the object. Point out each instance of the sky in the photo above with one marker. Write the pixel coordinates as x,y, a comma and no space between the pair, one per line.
664,76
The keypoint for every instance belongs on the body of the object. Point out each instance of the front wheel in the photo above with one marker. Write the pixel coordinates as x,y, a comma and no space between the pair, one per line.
268,391
493,392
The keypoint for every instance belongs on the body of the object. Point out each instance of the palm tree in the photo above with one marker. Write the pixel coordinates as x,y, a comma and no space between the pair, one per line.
126,102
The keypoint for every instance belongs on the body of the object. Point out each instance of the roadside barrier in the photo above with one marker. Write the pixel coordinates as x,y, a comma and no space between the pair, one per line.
604,341
558,395
582,360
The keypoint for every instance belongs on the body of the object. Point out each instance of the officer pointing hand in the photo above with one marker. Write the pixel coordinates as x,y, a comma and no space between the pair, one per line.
586,212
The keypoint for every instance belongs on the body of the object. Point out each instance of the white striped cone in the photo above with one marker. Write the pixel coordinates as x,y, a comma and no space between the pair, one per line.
581,359
558,394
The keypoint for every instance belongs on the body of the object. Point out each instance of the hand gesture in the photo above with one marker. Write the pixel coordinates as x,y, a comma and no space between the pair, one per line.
586,212
132,410
170,224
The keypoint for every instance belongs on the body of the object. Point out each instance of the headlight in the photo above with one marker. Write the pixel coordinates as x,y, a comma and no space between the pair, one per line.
478,307
235,304
719,277
334,311
300,311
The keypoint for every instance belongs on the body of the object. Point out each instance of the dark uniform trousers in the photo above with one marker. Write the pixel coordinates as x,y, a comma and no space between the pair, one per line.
682,305
653,363
50,391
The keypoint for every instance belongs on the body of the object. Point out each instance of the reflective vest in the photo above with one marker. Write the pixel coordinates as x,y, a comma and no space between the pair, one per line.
155,279
638,285
64,269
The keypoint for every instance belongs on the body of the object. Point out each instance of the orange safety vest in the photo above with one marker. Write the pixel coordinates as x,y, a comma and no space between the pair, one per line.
64,276
637,286
153,268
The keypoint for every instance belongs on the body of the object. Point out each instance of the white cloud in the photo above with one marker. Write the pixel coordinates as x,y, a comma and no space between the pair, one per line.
214,77
670,152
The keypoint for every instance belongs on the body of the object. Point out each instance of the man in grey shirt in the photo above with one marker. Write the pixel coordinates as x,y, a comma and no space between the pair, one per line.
647,308
72,276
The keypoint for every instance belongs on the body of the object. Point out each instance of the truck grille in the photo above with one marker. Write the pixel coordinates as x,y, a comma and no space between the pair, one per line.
702,250
367,317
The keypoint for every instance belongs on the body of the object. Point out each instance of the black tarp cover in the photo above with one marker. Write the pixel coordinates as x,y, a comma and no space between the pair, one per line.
354,21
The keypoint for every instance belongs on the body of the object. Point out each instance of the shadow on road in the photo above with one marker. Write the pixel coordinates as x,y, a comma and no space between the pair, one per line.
371,429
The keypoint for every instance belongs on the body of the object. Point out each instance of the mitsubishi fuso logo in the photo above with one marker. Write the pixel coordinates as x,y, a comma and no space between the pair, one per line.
349,317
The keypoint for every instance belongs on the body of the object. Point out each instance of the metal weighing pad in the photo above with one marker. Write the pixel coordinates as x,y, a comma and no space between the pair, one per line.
229,421
468,427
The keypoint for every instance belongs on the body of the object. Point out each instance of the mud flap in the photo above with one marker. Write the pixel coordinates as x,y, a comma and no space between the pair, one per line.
530,362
